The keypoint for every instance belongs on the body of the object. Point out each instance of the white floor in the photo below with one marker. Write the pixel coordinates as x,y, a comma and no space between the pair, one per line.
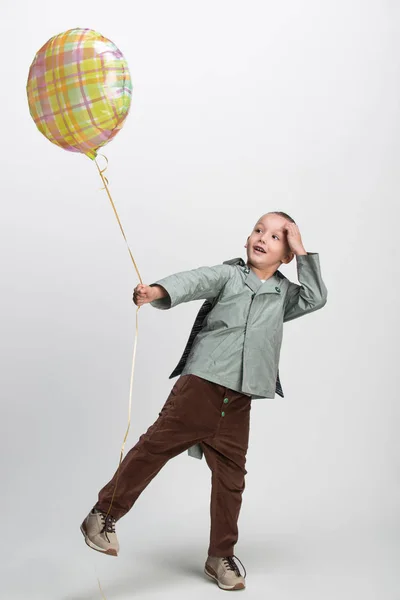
352,564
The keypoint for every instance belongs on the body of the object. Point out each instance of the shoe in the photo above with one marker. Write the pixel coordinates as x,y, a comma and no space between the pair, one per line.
99,532
225,572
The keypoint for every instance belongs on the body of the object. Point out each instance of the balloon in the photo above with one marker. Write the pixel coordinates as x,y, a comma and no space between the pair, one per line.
79,90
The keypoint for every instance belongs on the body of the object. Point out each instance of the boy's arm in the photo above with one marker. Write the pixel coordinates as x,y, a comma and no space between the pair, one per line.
196,284
311,294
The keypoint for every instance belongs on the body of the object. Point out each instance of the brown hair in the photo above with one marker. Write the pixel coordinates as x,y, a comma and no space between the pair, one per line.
281,214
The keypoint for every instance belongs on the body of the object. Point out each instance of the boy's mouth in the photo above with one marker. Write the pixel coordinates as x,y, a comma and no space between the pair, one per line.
259,250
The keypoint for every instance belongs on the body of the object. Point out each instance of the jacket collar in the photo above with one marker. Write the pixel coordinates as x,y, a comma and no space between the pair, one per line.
270,286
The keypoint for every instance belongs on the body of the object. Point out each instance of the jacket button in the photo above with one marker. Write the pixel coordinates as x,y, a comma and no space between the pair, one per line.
226,400
277,289
222,414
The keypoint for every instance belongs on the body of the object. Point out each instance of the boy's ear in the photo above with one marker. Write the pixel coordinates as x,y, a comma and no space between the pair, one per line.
288,258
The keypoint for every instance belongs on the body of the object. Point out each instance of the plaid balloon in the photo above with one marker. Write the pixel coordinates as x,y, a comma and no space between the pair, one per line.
79,90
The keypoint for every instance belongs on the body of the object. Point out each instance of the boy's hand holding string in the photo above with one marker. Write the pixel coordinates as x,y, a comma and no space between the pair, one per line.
143,294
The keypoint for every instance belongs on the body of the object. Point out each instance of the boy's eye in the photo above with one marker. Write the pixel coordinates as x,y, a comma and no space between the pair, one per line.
257,230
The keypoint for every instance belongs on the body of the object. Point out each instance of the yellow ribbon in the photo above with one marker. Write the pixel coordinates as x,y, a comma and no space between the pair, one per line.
105,182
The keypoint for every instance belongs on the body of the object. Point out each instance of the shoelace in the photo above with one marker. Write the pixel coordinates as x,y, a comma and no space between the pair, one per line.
109,524
232,566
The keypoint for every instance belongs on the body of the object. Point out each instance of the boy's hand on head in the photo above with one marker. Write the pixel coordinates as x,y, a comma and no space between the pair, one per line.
294,238
143,294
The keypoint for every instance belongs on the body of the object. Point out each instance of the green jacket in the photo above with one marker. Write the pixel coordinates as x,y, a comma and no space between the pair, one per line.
238,345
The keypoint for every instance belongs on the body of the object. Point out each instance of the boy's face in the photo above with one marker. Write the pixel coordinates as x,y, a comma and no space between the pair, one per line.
269,234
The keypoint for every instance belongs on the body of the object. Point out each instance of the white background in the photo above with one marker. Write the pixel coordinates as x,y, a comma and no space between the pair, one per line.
238,108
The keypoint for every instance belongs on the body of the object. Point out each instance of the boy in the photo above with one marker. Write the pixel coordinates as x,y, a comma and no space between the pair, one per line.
234,358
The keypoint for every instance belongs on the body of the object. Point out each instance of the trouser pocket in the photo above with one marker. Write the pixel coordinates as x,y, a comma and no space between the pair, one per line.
181,385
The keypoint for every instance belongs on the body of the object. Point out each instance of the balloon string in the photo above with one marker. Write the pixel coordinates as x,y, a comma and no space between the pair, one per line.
129,417
105,182
98,580
101,589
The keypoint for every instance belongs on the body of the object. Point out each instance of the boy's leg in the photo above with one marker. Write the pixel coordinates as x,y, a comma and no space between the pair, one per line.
225,454
171,434
192,413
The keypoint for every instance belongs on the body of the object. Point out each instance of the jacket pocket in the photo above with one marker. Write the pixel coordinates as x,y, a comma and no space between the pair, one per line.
223,346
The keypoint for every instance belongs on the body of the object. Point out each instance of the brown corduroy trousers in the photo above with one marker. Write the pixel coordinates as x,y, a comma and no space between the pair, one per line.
196,411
